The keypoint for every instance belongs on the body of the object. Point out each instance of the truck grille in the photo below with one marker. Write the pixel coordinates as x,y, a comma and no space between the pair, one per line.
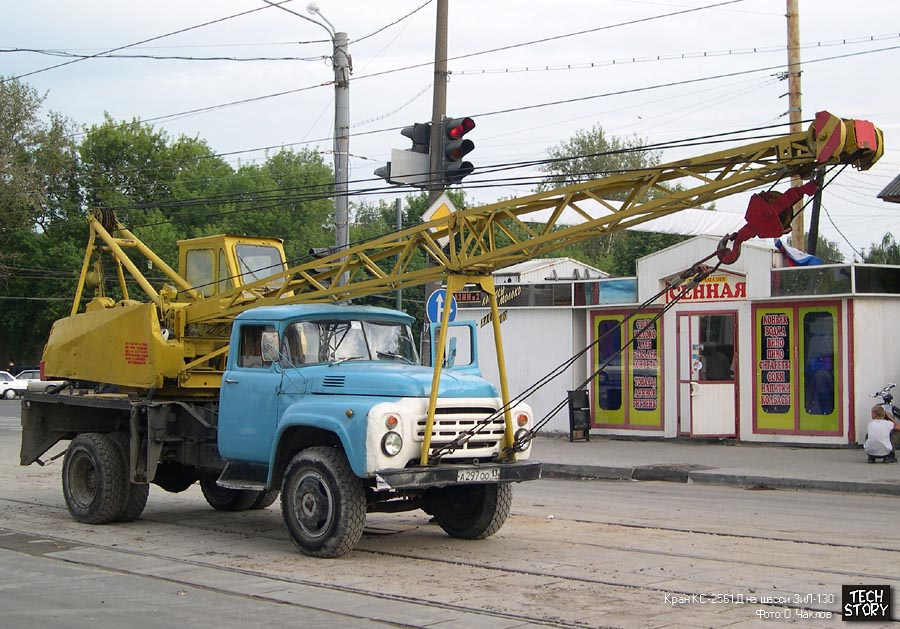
450,422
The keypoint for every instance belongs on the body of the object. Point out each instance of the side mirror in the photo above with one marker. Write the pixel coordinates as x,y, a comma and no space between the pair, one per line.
271,348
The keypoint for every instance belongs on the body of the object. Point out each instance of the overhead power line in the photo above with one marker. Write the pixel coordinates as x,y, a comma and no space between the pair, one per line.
143,41
394,23
705,54
64,53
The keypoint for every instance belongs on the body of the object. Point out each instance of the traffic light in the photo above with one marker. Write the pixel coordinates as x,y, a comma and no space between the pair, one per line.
410,166
420,134
453,148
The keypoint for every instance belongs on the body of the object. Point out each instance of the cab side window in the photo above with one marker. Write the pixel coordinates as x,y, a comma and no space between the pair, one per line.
250,354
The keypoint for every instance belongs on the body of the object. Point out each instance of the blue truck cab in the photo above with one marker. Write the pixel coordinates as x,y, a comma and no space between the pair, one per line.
328,403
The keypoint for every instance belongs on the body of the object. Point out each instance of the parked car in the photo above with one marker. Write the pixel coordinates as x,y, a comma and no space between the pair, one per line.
11,386
28,380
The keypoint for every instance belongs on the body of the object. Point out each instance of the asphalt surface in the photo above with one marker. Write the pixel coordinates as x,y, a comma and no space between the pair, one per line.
717,463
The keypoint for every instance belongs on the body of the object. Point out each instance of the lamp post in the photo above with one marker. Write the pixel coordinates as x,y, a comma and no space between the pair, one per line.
342,65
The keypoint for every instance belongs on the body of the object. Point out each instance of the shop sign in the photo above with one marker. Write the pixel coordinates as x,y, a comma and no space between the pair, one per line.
775,364
713,288
644,362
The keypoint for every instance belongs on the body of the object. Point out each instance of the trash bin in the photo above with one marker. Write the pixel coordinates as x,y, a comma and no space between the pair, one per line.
579,416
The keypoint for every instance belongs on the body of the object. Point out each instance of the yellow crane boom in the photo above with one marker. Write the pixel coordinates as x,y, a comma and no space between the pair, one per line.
180,338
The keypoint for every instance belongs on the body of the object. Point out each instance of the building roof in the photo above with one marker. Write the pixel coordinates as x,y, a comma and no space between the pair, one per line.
550,267
891,192
688,222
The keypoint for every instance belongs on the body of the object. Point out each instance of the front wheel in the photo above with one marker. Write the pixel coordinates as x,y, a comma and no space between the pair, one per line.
9,394
323,503
471,511
93,478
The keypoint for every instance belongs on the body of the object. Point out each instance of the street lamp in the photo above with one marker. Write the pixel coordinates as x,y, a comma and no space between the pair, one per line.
342,65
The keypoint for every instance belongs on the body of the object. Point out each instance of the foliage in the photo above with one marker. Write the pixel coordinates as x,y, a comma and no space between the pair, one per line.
162,189
828,250
372,221
592,154
885,252
36,157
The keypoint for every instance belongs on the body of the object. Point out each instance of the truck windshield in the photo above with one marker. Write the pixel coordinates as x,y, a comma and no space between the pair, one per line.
310,342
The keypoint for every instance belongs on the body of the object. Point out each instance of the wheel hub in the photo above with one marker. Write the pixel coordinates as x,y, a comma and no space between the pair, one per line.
314,505
83,480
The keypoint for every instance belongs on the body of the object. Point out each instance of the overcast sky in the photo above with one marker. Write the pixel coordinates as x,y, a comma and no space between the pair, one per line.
609,74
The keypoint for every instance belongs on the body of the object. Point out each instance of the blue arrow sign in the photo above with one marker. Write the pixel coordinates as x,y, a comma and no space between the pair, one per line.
434,308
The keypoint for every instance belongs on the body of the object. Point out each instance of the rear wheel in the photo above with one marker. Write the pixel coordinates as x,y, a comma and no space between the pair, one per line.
471,511
265,499
135,493
93,477
136,496
323,503
225,499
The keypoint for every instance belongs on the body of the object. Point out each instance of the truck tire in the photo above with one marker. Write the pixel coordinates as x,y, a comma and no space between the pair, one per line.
225,499
265,499
93,478
135,500
323,503
471,511
135,493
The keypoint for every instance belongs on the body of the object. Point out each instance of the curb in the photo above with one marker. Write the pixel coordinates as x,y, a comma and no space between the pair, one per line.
700,475
769,482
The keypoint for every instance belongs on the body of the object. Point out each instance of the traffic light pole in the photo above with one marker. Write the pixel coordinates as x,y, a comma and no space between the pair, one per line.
439,101
438,111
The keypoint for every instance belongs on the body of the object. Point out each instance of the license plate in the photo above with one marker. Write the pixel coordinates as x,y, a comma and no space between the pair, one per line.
478,476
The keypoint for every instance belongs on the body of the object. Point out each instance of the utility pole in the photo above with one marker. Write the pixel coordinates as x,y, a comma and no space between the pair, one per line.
438,111
342,64
439,98
794,107
342,69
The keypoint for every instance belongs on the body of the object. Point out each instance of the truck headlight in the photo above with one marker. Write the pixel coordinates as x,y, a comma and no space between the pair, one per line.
392,443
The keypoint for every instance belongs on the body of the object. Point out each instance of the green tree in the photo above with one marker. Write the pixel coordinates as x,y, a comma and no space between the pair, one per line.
590,155
36,157
288,197
164,190
885,252
828,250
37,198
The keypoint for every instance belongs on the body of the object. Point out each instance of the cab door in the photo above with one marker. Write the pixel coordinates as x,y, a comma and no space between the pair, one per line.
707,385
248,400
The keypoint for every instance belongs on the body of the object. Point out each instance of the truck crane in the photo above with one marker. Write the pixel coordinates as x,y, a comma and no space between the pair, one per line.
255,377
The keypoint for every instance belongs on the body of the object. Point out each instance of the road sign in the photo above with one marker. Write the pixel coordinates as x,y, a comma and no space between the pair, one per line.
434,308
441,208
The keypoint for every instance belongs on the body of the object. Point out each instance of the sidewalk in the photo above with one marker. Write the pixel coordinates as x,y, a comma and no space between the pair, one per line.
741,465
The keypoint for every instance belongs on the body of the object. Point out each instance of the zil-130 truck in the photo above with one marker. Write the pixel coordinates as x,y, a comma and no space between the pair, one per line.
255,378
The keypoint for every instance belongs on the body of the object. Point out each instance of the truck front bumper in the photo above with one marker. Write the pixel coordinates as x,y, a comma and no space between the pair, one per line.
445,475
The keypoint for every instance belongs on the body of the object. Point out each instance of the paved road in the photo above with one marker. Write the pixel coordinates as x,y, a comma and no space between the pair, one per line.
573,554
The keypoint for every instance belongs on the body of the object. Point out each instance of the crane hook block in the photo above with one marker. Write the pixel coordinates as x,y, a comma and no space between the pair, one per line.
768,216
